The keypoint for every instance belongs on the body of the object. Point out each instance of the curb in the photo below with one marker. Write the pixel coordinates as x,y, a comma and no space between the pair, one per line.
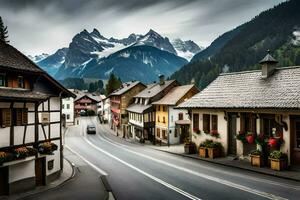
108,188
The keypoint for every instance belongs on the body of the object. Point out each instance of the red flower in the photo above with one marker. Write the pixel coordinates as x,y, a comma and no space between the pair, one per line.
272,142
250,138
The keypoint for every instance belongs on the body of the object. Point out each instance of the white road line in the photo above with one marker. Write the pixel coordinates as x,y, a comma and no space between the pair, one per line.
102,172
211,178
188,195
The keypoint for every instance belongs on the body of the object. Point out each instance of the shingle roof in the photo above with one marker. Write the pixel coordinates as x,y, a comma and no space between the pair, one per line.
250,90
138,108
125,87
14,59
174,95
268,58
153,89
8,93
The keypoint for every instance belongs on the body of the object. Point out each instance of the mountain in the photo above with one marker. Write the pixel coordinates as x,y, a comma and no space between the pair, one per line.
54,61
38,58
186,49
133,63
241,49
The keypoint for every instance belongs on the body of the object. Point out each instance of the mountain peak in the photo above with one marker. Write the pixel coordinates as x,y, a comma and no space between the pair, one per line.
96,32
153,33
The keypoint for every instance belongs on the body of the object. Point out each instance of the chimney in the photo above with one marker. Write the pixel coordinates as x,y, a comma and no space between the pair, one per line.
193,81
268,65
161,79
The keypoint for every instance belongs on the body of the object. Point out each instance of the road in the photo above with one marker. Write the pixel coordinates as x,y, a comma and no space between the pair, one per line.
138,172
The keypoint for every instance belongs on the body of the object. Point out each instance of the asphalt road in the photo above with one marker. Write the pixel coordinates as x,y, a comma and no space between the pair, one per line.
138,172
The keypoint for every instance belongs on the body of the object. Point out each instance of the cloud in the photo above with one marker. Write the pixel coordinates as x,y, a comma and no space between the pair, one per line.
44,26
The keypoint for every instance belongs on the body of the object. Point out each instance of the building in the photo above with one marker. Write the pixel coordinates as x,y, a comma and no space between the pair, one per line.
30,115
85,102
68,109
101,107
264,103
172,126
142,112
119,101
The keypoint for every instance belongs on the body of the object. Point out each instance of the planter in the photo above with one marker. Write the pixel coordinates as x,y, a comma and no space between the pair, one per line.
203,152
213,152
189,148
278,164
257,161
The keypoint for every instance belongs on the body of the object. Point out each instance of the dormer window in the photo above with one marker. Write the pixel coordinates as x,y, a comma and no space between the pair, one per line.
2,80
20,82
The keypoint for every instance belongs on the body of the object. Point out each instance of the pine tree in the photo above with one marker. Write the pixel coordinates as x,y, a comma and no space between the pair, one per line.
112,84
3,31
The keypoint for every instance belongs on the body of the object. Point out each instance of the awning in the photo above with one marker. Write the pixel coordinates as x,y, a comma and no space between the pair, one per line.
183,122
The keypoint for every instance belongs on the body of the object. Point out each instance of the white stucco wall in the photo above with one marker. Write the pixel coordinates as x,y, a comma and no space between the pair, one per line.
21,171
55,157
68,111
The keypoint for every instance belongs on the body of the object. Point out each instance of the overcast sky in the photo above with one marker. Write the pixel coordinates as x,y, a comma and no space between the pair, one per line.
38,26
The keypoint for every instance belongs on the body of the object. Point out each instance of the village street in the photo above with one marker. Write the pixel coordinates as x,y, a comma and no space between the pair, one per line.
138,172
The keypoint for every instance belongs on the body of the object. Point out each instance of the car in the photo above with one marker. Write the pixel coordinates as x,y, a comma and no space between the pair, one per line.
91,129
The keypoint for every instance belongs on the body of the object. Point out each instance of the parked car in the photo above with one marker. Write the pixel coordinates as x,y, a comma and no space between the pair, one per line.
91,129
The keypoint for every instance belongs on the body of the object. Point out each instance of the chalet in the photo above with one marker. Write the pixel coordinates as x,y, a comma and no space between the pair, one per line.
120,99
142,112
262,103
84,102
31,149
172,126
68,109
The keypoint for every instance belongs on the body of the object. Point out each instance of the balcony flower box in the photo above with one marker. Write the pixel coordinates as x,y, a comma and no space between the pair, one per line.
278,160
47,148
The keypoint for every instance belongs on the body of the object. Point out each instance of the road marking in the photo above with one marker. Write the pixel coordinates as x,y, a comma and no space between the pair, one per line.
88,162
218,180
188,195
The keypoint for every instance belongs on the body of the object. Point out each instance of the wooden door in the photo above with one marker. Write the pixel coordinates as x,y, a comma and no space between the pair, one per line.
231,133
40,171
295,141
3,181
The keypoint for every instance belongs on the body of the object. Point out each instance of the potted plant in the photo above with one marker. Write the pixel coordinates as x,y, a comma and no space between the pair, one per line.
47,148
214,149
203,148
241,137
214,133
189,147
20,153
278,160
197,131
257,158
250,138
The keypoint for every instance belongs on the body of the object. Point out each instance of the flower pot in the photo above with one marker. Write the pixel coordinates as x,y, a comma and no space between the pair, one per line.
278,164
213,152
189,148
257,161
202,152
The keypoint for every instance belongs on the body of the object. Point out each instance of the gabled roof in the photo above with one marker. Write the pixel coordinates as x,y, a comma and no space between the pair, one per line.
268,59
125,87
174,95
12,59
154,89
79,94
250,90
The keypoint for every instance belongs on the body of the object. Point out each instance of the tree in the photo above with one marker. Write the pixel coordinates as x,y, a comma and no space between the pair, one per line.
92,87
3,31
112,84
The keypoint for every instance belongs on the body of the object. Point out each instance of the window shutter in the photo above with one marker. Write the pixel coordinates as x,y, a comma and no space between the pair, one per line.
19,117
206,123
6,117
214,120
24,116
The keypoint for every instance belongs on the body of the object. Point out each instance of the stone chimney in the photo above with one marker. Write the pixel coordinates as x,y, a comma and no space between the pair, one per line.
161,79
268,65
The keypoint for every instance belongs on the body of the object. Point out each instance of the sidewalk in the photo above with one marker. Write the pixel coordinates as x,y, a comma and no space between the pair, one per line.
292,174
67,174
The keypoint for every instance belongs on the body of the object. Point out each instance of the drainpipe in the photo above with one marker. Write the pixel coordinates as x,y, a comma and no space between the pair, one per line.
168,126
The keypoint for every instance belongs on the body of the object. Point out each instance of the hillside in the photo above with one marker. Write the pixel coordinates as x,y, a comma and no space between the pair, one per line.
276,29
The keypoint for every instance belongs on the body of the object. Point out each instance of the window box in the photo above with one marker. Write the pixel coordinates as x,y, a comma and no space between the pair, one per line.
203,152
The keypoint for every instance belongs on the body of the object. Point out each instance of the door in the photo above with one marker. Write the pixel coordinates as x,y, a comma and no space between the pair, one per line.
232,133
40,171
3,181
295,144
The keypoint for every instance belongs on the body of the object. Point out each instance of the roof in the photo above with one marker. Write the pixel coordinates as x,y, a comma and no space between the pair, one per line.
268,59
11,58
250,90
79,94
154,89
138,108
125,87
174,95
21,94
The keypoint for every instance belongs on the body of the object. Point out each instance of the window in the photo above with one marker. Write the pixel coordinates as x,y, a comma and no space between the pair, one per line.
195,121
164,134
2,80
158,119
5,117
68,106
214,122
268,123
63,106
248,122
20,82
20,116
180,116
158,132
68,116
164,120
164,108
206,123
158,108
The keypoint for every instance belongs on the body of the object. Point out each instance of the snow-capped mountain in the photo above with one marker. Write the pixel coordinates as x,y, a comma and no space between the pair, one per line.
38,58
186,49
91,51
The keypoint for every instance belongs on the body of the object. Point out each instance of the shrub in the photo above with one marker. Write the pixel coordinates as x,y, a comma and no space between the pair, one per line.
278,155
